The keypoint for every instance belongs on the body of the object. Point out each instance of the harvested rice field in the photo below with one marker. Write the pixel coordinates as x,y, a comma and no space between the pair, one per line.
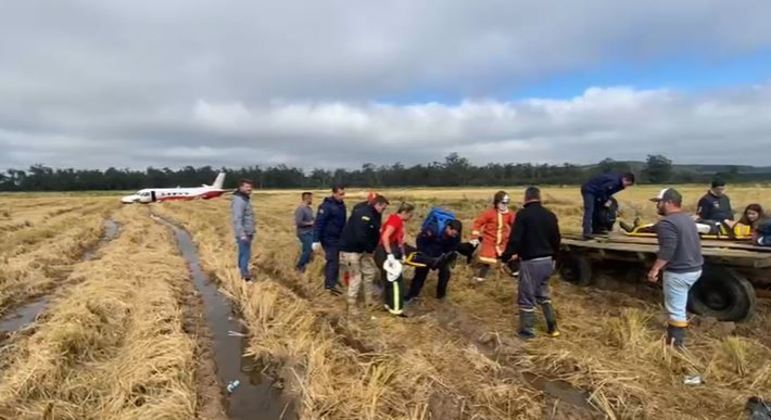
138,312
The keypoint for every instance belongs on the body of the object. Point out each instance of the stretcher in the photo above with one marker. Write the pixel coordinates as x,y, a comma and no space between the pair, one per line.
718,232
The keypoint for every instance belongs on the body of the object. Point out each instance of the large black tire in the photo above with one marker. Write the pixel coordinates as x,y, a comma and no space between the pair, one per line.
575,268
722,293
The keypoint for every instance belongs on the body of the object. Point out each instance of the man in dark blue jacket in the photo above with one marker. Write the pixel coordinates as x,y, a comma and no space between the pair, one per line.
715,206
330,221
597,192
436,246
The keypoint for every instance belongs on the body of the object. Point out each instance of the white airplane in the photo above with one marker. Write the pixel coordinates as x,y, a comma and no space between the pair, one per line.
204,192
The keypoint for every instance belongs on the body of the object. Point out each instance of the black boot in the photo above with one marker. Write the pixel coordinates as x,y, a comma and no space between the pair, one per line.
526,323
551,319
676,337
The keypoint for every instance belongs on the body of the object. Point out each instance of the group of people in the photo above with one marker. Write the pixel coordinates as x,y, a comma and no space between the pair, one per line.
358,247
679,260
714,215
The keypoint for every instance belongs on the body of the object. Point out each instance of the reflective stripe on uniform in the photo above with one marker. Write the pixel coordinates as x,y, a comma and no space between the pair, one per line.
396,292
499,234
488,260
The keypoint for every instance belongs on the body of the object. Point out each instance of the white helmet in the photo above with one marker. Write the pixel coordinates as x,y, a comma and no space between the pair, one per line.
393,269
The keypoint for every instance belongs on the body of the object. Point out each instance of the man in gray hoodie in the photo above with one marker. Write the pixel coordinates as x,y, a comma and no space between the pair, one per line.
243,225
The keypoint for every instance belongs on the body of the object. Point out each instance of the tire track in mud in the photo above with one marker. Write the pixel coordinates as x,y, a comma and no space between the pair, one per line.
17,317
217,327
563,400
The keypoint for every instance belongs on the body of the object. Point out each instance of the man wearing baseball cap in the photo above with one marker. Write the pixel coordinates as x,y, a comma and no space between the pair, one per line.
680,259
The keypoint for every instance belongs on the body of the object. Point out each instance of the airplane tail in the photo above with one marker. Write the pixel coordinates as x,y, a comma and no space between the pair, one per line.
219,182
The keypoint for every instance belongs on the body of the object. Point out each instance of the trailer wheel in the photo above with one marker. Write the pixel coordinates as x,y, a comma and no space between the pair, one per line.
722,293
575,268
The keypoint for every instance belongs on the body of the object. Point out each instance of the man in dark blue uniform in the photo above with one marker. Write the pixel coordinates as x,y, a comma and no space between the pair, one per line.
330,221
598,191
441,247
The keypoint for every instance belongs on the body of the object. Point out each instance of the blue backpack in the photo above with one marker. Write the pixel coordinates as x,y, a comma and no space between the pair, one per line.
437,221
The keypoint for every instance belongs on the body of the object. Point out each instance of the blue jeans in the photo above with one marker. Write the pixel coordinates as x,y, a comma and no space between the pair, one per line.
590,201
244,254
676,287
306,249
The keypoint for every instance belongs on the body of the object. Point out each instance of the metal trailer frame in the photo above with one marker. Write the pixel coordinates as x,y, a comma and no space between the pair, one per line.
735,274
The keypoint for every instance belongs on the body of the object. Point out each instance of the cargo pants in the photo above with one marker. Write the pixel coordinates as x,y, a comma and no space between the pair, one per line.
360,268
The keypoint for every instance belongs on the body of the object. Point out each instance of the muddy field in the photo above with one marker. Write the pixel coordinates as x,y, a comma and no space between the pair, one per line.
138,312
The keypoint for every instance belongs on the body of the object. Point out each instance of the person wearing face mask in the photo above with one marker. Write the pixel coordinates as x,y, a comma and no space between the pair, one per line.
492,229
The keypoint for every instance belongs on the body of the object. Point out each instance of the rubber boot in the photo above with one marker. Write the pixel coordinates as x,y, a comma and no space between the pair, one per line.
526,323
551,319
676,337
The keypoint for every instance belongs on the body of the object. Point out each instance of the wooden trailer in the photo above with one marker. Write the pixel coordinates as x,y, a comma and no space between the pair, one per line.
735,274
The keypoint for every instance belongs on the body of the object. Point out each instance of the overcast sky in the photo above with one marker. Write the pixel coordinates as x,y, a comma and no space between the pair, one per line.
134,83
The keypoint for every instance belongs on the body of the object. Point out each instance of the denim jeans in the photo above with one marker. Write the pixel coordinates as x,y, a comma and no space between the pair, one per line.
676,287
244,254
590,202
306,245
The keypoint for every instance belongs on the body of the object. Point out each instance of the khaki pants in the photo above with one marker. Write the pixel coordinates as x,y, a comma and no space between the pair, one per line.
360,267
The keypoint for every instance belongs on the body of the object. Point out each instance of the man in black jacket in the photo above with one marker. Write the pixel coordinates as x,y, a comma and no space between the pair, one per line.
715,206
359,240
534,240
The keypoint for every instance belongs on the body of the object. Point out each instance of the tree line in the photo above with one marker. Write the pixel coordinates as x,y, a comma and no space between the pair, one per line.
454,171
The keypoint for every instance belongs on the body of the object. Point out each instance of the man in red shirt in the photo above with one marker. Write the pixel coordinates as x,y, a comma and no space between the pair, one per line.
392,250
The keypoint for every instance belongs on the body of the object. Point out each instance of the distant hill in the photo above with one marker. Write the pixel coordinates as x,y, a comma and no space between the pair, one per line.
710,169
697,169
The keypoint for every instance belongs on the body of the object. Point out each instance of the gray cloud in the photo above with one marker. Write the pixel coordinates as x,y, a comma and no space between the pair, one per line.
95,84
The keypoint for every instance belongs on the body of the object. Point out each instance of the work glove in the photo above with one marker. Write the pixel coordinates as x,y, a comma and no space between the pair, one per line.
390,259
316,246
474,242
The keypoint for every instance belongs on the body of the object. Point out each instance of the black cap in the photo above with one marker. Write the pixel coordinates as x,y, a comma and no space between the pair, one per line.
717,182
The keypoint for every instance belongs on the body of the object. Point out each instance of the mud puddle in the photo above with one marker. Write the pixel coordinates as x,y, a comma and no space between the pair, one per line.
22,316
256,397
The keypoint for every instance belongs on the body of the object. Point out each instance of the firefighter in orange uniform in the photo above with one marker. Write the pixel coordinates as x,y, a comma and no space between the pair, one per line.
492,229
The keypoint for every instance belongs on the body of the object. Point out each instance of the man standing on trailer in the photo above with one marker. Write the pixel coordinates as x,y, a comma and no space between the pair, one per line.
598,191
535,239
243,225
680,259
330,221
